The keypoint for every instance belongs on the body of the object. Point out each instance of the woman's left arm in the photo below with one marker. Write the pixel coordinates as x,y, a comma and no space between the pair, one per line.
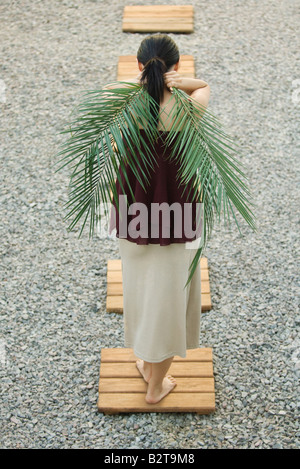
196,88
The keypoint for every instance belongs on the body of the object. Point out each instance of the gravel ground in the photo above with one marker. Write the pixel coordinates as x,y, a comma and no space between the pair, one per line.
53,285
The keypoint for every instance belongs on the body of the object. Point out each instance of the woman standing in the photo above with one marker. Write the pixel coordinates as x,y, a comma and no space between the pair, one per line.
154,144
161,316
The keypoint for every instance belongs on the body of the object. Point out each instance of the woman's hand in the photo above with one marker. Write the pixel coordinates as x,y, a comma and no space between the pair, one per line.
172,79
191,86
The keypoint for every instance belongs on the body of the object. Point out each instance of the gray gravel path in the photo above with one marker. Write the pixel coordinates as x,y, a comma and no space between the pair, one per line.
53,286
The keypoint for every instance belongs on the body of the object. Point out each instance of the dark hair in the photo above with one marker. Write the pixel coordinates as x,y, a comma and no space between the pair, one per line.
157,52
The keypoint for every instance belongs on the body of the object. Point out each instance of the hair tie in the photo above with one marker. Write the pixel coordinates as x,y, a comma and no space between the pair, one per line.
153,59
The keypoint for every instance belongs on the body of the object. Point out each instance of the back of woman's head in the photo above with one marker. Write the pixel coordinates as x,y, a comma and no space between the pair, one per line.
157,53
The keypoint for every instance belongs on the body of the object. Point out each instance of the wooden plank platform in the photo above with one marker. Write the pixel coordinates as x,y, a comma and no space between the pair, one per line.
122,389
128,68
114,298
158,18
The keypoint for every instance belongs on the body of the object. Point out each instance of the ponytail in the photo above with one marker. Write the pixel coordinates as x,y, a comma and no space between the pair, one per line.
157,53
153,80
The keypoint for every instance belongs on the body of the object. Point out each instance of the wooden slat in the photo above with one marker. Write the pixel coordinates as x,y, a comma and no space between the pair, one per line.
205,288
154,27
166,10
115,355
158,18
114,304
206,302
114,385
202,403
182,369
161,7
114,276
114,264
168,22
114,289
204,275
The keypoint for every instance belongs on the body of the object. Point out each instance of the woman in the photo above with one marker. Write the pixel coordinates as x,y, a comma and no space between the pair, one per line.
161,317
167,152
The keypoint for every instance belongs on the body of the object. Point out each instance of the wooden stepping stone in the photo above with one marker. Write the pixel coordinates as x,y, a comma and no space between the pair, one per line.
122,389
158,18
128,68
114,299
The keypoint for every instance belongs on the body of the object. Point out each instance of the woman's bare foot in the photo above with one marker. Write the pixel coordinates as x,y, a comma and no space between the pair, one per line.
144,370
156,394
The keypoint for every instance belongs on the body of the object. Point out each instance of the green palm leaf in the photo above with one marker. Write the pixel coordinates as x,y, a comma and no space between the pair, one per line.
105,136
209,155
104,119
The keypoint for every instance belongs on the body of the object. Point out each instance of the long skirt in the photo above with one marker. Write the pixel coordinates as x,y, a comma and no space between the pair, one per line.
161,315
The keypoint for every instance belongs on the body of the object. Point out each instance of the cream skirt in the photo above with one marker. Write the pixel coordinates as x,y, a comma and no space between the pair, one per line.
161,317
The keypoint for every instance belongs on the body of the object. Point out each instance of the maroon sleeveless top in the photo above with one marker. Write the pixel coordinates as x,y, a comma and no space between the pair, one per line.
164,213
